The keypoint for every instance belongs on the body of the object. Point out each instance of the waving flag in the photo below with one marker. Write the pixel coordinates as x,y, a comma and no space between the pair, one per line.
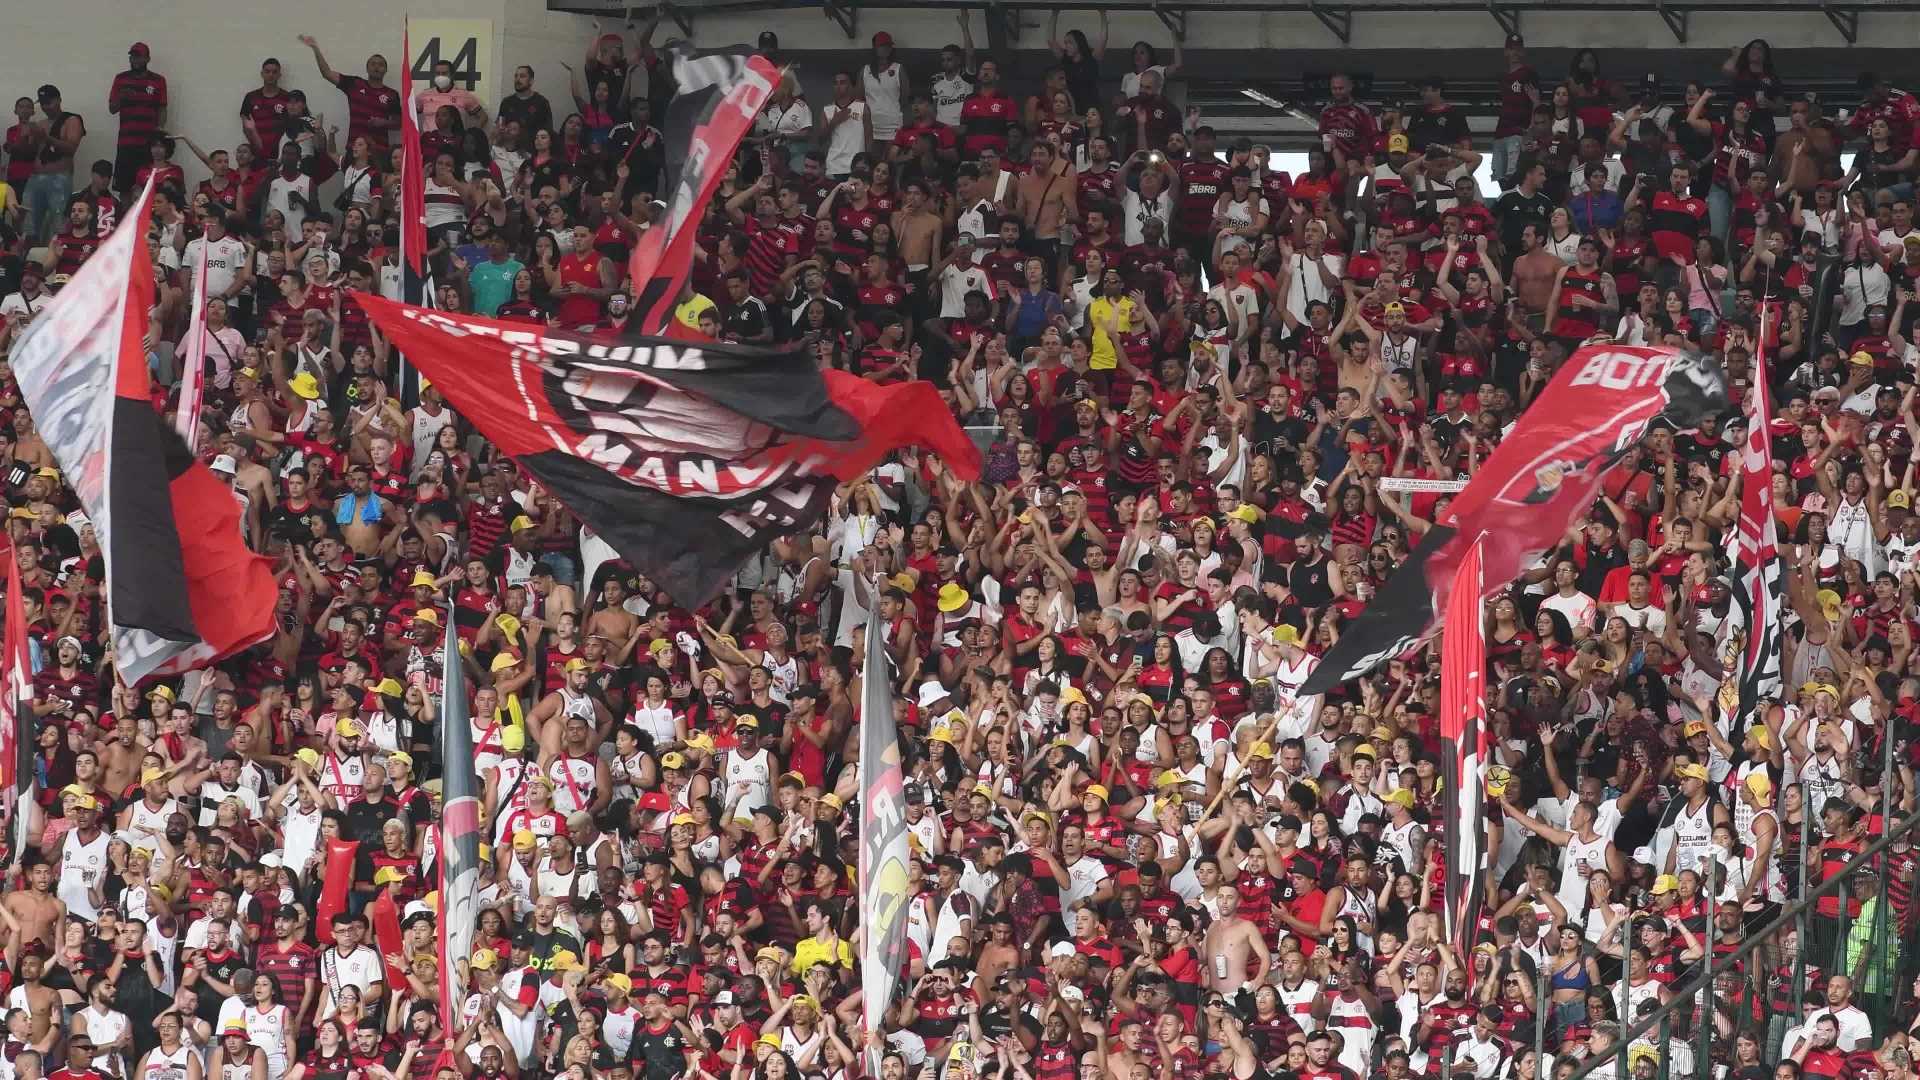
718,98
1756,559
687,457
459,834
193,363
884,891
1542,476
16,716
182,589
416,270
1463,710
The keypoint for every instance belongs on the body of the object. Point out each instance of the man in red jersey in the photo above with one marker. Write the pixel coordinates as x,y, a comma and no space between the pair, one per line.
139,98
373,107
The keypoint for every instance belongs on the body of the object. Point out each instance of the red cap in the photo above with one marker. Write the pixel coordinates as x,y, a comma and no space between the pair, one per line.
139,48
882,38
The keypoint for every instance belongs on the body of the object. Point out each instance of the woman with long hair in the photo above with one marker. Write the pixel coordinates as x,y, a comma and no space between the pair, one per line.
1079,59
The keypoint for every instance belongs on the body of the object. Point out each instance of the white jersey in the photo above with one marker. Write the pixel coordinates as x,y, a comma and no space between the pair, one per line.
575,786
749,781
269,1029
1298,1003
148,819
164,1066
1692,836
1357,1029
783,677
949,93
1573,887
81,867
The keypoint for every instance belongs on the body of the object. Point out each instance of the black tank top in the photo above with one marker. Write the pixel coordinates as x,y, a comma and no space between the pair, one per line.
48,155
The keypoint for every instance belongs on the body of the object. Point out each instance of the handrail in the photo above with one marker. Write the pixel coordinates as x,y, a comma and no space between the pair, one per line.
1703,981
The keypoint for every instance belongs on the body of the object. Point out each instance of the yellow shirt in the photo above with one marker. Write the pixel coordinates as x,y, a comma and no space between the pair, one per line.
814,951
688,314
1106,353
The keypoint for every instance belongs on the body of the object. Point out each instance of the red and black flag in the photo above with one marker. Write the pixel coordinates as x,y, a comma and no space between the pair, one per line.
1756,559
718,97
686,457
416,270
1545,473
16,716
182,588
1463,729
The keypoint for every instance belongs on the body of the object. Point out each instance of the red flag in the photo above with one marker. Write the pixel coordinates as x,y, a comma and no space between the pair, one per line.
386,935
413,177
16,699
717,100
338,875
1463,707
183,590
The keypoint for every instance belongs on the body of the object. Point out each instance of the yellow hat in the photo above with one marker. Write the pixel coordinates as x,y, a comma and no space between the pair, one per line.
161,691
387,874
1382,733
1261,749
503,661
700,740
1829,605
1044,817
1286,634
304,386
1245,512
746,720
389,687
86,802
618,982
1898,499
1665,884
163,892
1099,791
73,789
235,1025
422,579
509,626
1861,359
673,759
565,960
309,756
1639,1052
348,728
428,616
682,819
902,581
1761,736
401,756
1071,695
984,790
940,735
1760,784
148,776
953,598
483,960
573,665
771,952
833,800
1366,750
1694,727
1401,796
1167,778
768,1040
1397,143
1691,770
513,738
524,840
659,645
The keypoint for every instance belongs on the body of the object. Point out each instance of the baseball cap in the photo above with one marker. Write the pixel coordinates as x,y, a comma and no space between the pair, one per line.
1665,884
882,38
483,960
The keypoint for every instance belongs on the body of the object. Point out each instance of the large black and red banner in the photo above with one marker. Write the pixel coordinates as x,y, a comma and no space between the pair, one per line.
718,98
1543,474
686,457
182,588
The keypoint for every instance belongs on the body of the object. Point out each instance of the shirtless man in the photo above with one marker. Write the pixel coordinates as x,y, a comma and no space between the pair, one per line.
36,912
614,621
120,755
547,721
43,1004
1535,273
1226,946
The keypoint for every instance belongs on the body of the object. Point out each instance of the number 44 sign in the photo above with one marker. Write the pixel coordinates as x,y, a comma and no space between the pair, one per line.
467,44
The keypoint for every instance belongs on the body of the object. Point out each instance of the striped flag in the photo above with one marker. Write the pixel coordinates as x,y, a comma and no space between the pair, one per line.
193,383
1463,708
1756,556
16,715
459,846
883,840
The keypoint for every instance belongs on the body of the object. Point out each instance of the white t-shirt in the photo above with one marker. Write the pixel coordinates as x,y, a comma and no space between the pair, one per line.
956,281
848,139
950,92
1137,210
17,303
1579,608
360,968
280,196
226,257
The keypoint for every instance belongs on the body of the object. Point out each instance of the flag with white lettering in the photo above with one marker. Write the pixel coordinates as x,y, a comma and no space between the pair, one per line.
884,890
1546,472
687,457
16,716
1756,558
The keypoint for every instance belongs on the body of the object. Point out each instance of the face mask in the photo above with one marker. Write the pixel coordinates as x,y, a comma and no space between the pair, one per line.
443,83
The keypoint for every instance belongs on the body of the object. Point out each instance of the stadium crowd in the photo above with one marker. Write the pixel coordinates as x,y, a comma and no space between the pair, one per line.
1139,852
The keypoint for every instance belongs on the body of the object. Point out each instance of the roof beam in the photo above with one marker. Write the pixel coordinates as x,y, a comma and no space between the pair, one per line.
1844,19
844,13
1509,19
1338,21
1675,18
1174,19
